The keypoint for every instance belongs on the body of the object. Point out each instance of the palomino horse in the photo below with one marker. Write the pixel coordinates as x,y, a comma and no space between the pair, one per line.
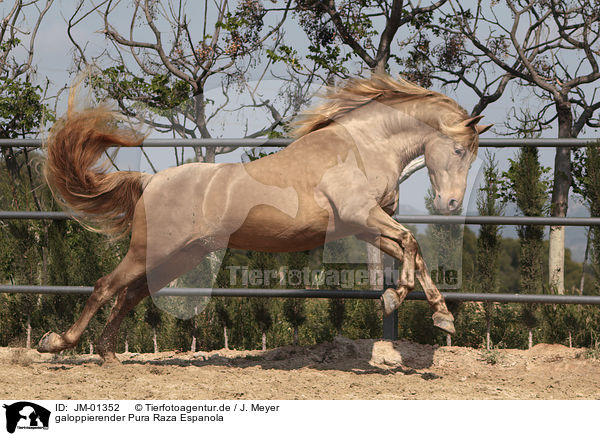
339,178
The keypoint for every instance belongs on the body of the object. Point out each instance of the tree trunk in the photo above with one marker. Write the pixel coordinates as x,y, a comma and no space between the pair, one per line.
155,339
488,328
530,339
226,337
556,259
570,339
28,341
45,264
585,259
91,347
194,339
210,155
448,340
295,335
560,198
200,110
387,36
126,345
264,341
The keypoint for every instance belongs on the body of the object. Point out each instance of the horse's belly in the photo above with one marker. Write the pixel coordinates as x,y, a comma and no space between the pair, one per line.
268,229
270,243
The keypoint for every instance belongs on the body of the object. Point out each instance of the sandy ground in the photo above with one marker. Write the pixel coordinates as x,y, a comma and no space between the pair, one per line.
343,369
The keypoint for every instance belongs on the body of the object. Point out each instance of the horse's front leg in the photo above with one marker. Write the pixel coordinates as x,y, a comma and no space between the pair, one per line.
442,317
391,298
397,241
382,225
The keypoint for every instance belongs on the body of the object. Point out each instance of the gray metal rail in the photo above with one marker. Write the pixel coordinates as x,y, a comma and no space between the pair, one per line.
317,293
409,219
282,142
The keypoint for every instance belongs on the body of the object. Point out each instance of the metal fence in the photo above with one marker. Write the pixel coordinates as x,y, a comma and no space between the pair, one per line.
390,323
282,142
317,293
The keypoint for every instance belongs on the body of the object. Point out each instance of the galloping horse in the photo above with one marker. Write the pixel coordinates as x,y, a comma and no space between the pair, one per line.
338,178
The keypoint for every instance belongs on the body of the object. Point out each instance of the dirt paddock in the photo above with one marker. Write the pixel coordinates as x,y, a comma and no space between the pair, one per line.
343,369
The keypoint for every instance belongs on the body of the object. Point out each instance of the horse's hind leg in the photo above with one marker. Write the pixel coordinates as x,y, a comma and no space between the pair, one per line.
130,269
126,301
172,267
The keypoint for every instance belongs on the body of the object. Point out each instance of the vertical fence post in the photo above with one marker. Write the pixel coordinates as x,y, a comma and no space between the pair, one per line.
390,323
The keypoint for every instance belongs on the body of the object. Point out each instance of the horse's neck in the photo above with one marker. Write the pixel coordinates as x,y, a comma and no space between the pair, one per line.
383,133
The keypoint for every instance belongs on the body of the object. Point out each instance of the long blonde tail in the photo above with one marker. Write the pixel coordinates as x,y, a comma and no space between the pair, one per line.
103,201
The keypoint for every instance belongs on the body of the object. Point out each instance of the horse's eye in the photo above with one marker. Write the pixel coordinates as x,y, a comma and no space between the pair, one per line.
459,151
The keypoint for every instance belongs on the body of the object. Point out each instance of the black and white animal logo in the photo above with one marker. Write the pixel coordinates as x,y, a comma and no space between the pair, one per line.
26,415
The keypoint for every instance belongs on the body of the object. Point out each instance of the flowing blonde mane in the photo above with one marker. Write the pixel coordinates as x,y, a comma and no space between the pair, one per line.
357,92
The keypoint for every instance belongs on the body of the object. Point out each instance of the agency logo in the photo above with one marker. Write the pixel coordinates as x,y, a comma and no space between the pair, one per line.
26,415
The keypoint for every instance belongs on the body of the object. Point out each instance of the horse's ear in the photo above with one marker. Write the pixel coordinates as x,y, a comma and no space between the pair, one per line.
472,121
480,129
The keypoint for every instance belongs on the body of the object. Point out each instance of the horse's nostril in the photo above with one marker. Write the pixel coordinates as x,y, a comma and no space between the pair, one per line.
453,204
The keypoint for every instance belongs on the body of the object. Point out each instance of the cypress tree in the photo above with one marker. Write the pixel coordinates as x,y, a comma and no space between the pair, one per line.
224,318
488,242
336,310
153,317
527,188
261,264
294,309
586,175
446,258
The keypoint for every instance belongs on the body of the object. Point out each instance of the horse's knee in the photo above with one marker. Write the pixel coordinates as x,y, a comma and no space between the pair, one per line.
409,244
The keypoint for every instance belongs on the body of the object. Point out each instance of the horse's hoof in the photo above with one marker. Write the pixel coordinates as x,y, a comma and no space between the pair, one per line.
444,322
390,301
51,343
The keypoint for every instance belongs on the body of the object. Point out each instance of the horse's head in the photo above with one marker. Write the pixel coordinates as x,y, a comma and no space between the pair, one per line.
448,156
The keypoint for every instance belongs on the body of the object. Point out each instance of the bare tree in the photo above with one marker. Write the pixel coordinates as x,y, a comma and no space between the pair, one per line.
22,111
550,50
331,25
167,61
23,106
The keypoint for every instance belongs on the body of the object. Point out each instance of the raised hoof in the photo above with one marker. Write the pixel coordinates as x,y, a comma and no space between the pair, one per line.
444,322
390,301
51,343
